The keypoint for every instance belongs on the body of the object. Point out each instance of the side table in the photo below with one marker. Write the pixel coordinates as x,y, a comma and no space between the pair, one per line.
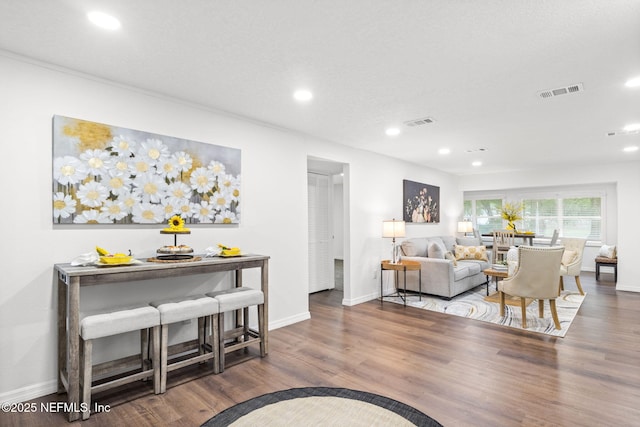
496,274
403,266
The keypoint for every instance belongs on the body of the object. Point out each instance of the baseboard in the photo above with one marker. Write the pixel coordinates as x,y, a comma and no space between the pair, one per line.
360,300
290,320
29,392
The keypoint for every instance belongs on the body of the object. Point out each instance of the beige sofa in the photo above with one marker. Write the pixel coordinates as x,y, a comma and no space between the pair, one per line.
441,274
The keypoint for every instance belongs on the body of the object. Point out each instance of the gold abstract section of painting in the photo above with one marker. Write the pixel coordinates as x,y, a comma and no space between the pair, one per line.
92,136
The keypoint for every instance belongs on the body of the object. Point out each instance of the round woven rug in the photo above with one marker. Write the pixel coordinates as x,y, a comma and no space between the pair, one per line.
321,406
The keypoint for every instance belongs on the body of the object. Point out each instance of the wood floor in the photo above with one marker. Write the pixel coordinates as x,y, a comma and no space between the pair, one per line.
459,371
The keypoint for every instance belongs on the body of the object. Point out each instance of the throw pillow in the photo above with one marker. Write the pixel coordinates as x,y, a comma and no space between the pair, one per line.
448,255
568,257
436,250
471,252
409,248
608,251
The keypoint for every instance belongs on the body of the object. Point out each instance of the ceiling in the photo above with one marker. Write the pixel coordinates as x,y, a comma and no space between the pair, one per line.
475,67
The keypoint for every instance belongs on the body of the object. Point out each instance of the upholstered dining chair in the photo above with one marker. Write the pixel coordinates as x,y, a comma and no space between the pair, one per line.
554,237
502,241
537,277
572,260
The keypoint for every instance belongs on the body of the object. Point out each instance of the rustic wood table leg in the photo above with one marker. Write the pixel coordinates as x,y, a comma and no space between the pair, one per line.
264,284
73,392
62,333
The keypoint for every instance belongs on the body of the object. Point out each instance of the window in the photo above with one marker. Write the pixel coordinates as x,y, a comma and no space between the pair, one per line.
574,213
485,214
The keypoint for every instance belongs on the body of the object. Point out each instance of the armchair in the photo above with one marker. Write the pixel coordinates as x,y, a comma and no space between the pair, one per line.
537,277
572,260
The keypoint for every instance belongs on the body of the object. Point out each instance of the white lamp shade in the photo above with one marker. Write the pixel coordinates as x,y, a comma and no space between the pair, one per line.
465,227
393,228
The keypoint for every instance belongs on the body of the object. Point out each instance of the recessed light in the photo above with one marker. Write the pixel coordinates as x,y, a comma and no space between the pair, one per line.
444,151
303,95
634,82
392,131
476,163
632,127
103,20
630,149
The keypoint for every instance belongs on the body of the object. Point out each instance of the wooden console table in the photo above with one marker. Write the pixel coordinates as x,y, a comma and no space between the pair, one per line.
71,279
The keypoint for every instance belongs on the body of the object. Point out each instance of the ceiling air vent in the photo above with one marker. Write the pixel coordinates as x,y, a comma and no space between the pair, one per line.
550,93
419,122
622,132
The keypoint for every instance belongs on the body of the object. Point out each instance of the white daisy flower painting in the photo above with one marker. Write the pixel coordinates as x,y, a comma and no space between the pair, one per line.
103,174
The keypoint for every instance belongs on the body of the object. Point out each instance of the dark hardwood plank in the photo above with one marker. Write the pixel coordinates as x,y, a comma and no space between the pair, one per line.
461,372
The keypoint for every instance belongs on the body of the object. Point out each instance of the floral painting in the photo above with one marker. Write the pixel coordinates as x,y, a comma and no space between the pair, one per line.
104,174
421,202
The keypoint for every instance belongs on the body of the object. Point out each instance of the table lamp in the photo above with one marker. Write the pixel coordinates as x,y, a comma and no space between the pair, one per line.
465,227
392,228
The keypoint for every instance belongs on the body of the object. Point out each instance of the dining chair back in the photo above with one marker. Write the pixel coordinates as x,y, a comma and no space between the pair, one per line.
502,241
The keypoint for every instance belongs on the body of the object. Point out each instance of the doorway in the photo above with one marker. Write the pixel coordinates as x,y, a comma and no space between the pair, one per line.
327,207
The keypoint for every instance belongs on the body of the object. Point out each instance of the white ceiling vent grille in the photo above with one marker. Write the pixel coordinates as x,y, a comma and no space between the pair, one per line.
550,93
420,122
623,132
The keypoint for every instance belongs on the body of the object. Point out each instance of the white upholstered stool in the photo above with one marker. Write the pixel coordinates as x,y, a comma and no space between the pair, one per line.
200,307
240,299
113,322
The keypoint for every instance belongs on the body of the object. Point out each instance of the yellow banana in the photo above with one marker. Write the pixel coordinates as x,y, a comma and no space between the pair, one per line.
101,251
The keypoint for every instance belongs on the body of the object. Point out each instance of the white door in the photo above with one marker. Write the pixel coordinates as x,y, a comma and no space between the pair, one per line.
320,238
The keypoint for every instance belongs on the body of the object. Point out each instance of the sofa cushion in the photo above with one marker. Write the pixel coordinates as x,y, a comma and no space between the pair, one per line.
460,272
449,242
471,252
414,247
436,249
468,241
472,266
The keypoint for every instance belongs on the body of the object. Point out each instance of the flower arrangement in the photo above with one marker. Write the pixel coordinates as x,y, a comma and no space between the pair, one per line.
511,212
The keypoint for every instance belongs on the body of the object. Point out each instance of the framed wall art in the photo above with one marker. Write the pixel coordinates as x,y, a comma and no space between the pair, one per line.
421,202
104,174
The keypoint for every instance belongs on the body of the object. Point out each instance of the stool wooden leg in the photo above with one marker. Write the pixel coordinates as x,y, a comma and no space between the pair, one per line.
202,340
245,326
597,271
523,307
261,330
221,341
87,348
156,359
163,358
215,343
144,350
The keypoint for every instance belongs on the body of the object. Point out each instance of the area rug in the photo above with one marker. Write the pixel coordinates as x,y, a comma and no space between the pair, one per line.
472,305
321,406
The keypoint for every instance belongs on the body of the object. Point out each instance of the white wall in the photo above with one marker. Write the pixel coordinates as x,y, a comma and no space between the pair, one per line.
626,176
274,170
